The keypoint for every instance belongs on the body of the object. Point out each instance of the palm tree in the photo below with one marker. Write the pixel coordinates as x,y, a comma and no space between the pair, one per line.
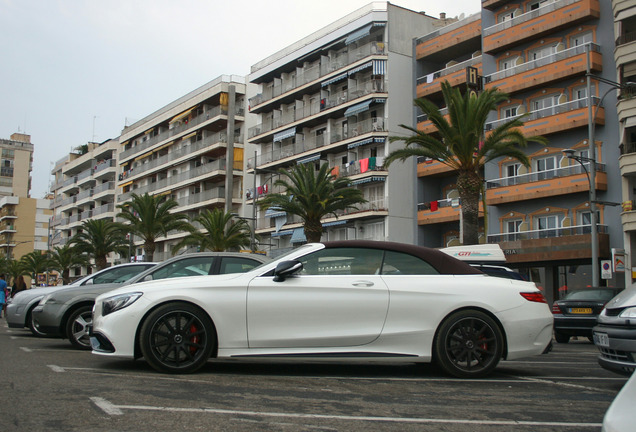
13,269
462,146
312,195
149,217
221,233
33,263
63,259
98,238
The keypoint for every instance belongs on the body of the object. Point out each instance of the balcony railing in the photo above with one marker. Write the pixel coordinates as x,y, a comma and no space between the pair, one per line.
550,7
334,100
546,112
318,70
192,199
449,28
450,70
177,129
542,175
545,233
374,124
628,37
543,61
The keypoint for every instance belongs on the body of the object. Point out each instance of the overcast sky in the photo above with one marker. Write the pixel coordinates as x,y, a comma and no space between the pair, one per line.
75,71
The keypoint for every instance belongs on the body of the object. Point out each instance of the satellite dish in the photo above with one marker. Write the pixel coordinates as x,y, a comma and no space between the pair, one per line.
461,16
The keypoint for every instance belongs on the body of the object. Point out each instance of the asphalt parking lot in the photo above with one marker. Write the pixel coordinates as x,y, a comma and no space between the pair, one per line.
45,385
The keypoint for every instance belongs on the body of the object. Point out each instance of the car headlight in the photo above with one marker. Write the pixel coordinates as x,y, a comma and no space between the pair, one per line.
628,313
48,299
115,303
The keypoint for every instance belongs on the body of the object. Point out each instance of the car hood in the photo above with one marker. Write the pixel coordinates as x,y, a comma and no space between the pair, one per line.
29,294
77,291
173,284
623,299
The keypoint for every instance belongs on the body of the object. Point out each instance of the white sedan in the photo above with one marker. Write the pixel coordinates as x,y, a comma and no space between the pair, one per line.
346,300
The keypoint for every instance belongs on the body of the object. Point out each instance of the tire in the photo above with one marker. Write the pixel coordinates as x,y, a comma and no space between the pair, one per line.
561,338
177,338
76,330
469,344
31,324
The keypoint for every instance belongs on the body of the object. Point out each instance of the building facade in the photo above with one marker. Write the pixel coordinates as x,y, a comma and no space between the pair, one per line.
542,53
334,98
625,56
191,150
83,188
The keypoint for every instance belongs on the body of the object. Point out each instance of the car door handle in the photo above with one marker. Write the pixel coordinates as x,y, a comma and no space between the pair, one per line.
362,283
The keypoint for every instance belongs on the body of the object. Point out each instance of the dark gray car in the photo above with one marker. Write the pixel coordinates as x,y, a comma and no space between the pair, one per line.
67,313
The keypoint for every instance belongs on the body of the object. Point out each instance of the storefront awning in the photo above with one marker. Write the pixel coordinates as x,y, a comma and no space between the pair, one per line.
358,108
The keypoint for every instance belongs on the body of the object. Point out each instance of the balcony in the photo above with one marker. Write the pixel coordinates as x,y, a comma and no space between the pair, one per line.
370,129
568,63
315,72
566,243
536,23
561,181
452,37
627,160
448,210
557,118
429,167
455,75
325,107
493,4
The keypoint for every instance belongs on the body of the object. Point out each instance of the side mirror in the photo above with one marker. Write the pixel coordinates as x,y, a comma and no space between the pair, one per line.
146,279
285,269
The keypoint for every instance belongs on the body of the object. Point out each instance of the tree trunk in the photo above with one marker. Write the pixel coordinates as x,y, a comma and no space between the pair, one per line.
149,249
313,231
468,187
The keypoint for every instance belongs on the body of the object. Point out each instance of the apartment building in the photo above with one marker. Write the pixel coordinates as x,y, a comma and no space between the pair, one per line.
540,52
83,188
334,97
191,150
23,220
625,56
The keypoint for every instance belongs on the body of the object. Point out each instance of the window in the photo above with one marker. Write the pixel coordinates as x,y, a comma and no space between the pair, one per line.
508,112
342,261
581,39
237,265
119,274
546,167
581,92
547,225
513,226
512,170
198,266
544,103
537,4
397,263
508,63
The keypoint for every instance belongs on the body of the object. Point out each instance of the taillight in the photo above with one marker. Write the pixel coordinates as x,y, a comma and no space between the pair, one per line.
556,309
534,297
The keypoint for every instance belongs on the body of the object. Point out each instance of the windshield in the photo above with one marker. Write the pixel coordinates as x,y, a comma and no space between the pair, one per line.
602,295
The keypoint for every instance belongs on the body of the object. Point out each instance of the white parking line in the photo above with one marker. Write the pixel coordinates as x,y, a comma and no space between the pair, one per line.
56,368
112,409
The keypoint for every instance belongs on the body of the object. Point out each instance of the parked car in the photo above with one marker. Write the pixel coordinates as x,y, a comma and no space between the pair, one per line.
341,301
20,307
620,415
575,314
615,333
67,312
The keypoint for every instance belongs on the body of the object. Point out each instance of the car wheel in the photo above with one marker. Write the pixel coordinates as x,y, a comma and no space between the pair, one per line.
31,324
468,344
561,338
177,338
76,327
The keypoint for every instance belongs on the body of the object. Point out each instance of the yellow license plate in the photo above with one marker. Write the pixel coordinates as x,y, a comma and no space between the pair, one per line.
581,310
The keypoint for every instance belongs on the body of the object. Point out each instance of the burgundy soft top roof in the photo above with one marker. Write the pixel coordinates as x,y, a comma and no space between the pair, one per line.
443,263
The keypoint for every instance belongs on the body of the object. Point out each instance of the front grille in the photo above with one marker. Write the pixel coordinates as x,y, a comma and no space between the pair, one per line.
614,312
611,354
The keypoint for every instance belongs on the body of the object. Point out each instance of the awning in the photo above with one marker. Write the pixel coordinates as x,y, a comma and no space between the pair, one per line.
309,159
298,236
365,142
358,108
328,224
282,233
272,213
359,68
630,122
379,100
379,67
358,34
126,184
189,135
287,133
182,115
368,180
334,79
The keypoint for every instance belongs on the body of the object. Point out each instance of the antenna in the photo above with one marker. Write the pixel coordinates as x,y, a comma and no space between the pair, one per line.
93,138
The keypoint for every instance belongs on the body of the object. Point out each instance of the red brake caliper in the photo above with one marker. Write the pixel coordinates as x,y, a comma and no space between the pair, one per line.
194,339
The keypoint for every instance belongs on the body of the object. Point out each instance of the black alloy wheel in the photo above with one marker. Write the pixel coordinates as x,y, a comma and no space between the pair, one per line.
469,344
77,327
177,338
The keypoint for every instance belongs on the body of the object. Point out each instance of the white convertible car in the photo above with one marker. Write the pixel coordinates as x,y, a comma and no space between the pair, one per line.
340,301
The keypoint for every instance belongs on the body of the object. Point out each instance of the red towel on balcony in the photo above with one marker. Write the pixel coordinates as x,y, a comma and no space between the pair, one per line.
433,205
364,165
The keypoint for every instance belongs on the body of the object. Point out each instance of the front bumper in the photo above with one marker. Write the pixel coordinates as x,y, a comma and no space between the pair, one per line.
15,315
46,321
573,325
620,354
